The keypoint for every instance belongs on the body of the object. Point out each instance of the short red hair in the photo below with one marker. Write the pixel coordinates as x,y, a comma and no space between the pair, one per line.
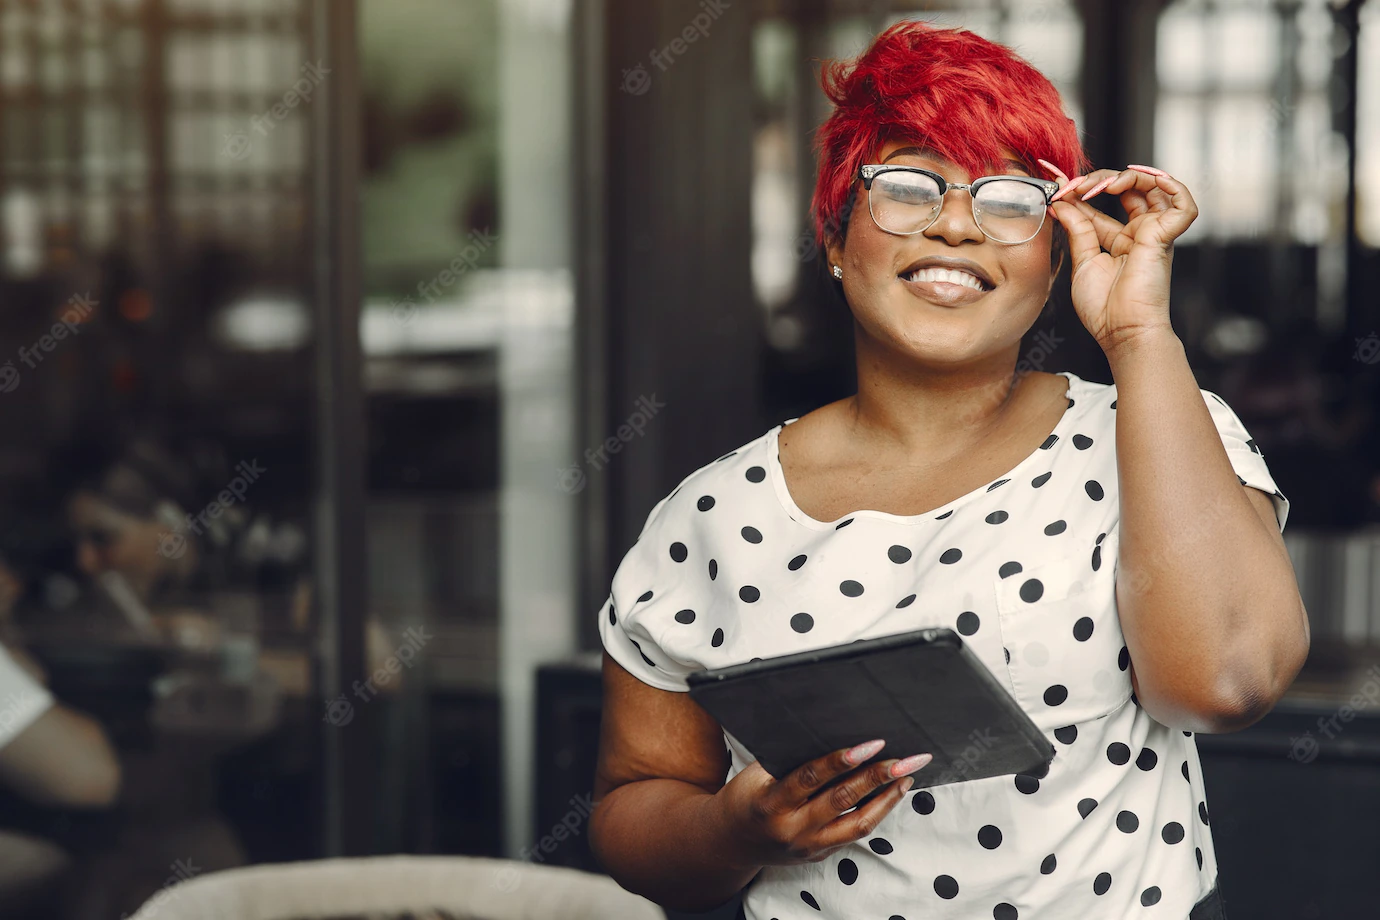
947,89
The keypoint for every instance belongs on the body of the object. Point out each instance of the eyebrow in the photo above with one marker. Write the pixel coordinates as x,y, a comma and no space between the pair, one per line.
932,154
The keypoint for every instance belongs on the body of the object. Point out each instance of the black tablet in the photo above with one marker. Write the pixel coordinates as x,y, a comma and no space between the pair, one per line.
923,691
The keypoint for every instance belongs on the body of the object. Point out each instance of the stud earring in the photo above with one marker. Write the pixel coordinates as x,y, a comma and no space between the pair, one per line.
838,273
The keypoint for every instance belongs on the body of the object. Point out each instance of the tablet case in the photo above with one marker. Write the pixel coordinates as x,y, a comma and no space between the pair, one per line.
924,691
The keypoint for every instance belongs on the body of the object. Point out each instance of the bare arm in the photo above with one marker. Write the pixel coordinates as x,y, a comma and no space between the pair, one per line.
1208,599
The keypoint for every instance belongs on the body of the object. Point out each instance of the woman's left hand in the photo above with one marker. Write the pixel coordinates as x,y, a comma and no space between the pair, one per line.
1121,271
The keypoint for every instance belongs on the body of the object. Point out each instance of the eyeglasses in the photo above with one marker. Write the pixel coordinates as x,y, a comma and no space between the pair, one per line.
907,199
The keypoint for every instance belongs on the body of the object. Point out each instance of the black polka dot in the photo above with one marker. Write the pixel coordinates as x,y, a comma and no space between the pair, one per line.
1149,896
802,622
989,835
1114,404
1070,402
843,524
713,569
749,594
881,846
679,552
1100,537
1123,658
1085,806
1184,770
1096,558
1202,812
1094,490
1009,568
726,456
613,621
1032,590
755,474
1058,527
752,535
1102,883
906,601
1048,864
705,503
946,887
968,623
944,515
1049,442
685,616
1083,629
1007,653
642,653
1041,479
718,639
999,482
1027,784
1118,753
922,802
1082,441
1188,734
1067,735
951,556
809,899
1127,822
795,564
1004,911
898,554
1198,853
997,517
848,871
850,588
1056,694
1147,760
1173,832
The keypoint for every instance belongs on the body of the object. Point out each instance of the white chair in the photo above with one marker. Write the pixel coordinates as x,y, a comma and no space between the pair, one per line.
468,887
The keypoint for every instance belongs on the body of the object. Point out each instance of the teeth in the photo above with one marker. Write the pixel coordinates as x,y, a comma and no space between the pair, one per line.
947,276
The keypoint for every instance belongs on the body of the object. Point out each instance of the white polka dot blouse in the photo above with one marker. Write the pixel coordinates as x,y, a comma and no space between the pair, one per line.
727,569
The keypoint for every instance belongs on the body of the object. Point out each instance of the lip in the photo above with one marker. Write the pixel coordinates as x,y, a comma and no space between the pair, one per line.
941,292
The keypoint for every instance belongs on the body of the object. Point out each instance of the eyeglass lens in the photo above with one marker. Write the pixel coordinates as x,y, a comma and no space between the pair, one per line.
1005,211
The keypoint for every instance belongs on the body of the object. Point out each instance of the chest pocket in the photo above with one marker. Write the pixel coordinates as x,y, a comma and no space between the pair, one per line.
1059,625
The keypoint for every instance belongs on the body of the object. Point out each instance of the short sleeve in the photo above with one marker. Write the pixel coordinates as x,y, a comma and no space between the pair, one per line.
643,603
22,699
1245,456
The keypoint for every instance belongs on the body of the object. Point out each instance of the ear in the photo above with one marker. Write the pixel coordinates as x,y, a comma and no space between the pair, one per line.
833,249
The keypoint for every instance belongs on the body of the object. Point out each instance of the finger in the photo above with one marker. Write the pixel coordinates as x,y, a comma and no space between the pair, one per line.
829,803
846,829
804,781
1069,187
1111,233
1183,210
1059,173
1084,244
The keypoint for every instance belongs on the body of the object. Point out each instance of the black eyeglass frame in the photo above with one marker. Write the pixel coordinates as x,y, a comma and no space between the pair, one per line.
868,172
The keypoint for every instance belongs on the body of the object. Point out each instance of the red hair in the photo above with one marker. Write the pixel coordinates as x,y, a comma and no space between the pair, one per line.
946,89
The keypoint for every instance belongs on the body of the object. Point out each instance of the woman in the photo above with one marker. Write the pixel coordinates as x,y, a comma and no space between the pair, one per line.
953,490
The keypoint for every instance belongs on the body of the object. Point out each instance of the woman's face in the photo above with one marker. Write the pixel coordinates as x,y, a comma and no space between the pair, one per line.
942,324
110,539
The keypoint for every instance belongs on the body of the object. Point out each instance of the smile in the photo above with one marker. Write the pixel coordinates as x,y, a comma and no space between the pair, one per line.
946,286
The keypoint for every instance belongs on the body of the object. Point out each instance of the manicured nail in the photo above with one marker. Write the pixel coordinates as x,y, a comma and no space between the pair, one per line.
910,764
1052,168
1096,189
1072,184
1148,169
864,751
905,785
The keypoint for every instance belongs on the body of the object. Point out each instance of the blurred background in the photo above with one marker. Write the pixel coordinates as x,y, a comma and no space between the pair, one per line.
345,346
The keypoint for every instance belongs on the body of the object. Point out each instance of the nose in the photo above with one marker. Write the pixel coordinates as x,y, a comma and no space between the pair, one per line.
955,224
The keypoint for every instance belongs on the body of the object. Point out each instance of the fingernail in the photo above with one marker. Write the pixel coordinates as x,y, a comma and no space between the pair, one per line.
1148,169
905,785
1052,168
910,764
1072,184
864,751
1099,187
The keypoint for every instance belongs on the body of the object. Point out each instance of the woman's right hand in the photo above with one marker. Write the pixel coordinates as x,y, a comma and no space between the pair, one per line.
799,818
